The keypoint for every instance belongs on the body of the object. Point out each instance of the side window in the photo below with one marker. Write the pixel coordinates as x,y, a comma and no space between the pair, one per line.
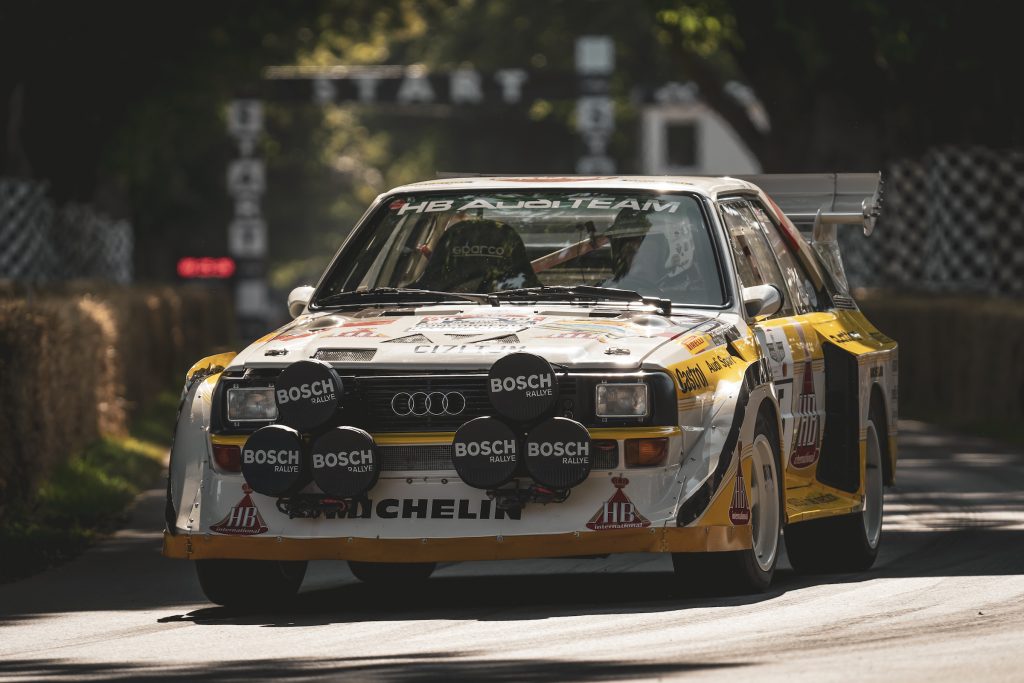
801,286
755,263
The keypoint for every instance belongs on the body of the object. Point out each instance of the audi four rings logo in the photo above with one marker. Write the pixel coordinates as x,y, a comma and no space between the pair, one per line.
422,403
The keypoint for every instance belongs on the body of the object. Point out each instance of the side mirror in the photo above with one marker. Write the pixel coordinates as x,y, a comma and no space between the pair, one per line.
762,300
298,299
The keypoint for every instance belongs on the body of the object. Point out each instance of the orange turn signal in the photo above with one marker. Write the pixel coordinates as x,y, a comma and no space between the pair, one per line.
646,452
228,458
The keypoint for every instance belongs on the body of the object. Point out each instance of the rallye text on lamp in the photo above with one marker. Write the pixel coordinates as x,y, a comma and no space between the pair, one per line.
506,367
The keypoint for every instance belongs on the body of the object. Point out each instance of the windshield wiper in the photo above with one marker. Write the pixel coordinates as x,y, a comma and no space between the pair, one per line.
589,292
394,295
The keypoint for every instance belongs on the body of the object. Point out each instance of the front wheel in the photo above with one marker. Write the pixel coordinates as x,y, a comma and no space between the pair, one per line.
848,543
250,583
752,570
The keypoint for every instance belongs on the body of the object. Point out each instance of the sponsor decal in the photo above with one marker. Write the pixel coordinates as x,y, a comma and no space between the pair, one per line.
429,508
475,324
691,379
608,328
288,336
844,302
576,334
368,323
694,343
488,349
584,203
272,462
345,462
558,453
719,331
739,508
361,333
813,499
522,386
845,337
308,393
805,451
618,512
485,453
719,362
244,519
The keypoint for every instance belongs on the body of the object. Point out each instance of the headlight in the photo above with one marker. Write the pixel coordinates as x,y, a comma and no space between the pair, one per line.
251,405
621,400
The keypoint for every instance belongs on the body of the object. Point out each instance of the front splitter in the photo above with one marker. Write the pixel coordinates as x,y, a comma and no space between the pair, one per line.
209,546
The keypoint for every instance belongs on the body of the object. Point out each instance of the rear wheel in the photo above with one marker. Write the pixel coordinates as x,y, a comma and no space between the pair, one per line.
250,583
745,571
848,543
392,572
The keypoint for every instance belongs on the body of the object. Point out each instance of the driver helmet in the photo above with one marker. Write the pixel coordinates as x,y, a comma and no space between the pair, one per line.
676,228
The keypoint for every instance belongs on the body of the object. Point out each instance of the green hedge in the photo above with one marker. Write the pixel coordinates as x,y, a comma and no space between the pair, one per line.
76,362
961,360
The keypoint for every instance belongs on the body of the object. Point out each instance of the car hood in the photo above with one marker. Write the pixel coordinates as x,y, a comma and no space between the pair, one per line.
470,337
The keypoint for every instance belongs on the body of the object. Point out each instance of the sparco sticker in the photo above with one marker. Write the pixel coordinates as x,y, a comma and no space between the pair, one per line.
244,519
272,461
307,393
485,452
618,512
475,324
522,386
345,462
557,453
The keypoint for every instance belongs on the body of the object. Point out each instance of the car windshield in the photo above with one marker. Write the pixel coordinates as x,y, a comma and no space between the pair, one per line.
656,245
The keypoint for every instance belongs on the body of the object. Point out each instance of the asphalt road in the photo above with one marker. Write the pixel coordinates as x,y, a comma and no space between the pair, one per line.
944,602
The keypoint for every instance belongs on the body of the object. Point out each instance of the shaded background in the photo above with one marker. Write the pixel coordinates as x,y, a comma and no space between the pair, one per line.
121,106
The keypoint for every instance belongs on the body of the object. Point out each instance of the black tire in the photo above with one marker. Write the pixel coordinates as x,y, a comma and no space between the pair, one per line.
250,583
392,573
739,572
842,544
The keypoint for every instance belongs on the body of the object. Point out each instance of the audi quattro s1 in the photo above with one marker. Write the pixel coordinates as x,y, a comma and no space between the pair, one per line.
498,368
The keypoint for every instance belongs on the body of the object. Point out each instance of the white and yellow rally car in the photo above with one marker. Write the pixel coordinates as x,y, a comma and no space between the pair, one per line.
497,368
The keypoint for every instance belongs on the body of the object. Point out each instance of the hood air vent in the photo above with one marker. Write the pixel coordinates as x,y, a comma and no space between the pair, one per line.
345,355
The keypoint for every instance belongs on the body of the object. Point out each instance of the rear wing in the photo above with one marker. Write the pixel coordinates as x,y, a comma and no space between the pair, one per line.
815,200
821,201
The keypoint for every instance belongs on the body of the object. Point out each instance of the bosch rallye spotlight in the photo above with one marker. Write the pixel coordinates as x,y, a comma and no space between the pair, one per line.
272,461
558,453
485,452
307,394
345,462
522,386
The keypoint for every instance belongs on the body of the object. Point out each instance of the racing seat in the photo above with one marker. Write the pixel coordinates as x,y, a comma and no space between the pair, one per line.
478,255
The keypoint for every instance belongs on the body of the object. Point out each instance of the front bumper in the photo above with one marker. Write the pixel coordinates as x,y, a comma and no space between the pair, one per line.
650,540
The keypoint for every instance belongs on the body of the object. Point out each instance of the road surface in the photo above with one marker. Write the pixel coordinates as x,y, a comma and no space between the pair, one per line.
944,602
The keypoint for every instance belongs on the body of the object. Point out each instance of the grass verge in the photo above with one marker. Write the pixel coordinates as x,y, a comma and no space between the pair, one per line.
86,497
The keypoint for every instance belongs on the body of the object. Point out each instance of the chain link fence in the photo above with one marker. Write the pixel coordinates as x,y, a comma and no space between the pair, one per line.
951,223
40,242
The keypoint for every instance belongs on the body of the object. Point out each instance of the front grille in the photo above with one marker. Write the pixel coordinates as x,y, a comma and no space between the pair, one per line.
415,404
434,403
423,458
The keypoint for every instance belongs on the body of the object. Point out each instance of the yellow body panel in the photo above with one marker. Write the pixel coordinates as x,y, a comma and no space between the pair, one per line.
651,540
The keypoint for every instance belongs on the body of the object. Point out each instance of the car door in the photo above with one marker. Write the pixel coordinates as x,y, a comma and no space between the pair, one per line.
787,338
